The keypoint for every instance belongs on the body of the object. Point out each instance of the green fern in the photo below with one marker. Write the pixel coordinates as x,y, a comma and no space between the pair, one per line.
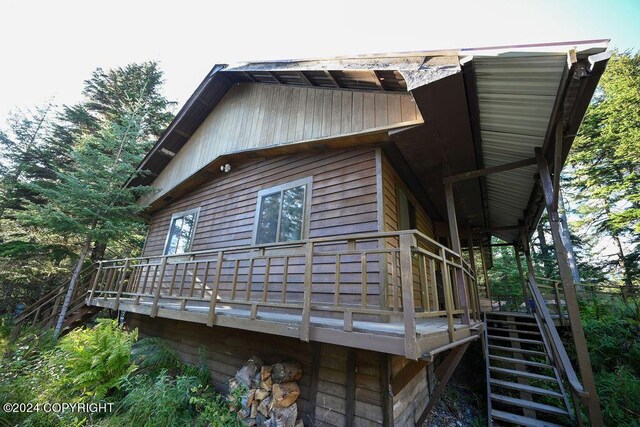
96,359
154,355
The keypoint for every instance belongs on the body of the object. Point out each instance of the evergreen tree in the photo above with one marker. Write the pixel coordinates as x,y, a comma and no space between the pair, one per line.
39,147
90,202
603,177
28,154
109,95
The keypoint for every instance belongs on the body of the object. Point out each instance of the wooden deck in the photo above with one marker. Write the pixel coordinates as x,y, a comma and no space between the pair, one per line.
397,293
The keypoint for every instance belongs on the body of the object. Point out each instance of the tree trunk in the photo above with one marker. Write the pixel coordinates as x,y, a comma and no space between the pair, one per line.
72,286
544,252
622,262
97,253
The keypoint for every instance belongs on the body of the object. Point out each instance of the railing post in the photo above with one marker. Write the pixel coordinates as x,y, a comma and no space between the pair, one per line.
308,279
407,241
95,283
123,278
557,296
35,317
448,297
214,289
156,298
54,310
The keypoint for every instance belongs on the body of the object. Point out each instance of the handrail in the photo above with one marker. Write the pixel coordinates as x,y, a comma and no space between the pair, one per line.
35,309
560,354
293,244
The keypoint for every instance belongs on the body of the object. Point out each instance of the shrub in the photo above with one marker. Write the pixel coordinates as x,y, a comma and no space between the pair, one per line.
612,329
619,394
159,401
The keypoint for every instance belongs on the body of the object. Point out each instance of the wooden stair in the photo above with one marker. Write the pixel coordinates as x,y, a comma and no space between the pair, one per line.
45,312
524,386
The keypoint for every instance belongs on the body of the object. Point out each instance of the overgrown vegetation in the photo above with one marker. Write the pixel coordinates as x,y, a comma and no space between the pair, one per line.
612,329
144,381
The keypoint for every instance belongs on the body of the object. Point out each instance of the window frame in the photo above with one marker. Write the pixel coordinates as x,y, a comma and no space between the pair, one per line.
175,216
306,208
411,203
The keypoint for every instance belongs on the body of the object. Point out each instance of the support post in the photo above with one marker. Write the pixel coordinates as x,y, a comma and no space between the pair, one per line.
456,247
352,366
522,279
487,285
570,295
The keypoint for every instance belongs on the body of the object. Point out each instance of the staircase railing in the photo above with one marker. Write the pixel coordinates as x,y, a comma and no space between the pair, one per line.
46,310
560,357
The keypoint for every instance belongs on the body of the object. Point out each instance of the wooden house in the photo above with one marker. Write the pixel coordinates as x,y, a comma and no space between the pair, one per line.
328,210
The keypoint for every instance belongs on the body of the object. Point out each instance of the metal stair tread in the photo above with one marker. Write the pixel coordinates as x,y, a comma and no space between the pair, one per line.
522,403
517,331
521,420
521,362
509,314
521,373
511,322
520,340
516,350
525,388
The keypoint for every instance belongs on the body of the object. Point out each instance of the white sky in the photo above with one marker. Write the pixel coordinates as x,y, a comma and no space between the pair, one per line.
50,47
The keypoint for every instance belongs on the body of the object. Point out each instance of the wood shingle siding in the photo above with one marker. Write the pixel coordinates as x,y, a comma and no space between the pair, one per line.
252,116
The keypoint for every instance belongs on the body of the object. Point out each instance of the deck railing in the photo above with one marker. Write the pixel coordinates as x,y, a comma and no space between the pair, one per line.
404,276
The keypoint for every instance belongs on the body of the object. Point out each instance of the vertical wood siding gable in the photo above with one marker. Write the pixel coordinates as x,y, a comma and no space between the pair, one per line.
253,116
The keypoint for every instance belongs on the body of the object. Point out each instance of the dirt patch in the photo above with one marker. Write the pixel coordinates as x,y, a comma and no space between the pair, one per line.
464,402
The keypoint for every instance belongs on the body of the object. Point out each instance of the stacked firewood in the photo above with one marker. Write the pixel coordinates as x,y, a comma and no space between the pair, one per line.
269,393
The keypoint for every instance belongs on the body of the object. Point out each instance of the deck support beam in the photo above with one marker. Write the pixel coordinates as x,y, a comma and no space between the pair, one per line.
443,374
570,295
488,171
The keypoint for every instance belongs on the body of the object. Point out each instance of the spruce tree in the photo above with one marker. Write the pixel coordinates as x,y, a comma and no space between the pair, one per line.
89,202
603,177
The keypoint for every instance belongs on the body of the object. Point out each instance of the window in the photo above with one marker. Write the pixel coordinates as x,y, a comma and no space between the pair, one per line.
406,212
181,231
281,212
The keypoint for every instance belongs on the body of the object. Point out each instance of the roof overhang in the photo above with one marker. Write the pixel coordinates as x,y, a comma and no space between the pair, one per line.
482,108
506,103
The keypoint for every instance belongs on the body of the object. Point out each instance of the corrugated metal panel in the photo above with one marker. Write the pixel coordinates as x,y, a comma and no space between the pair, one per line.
515,100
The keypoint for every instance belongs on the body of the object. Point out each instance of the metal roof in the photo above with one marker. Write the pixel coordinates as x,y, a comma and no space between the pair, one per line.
516,95
515,101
